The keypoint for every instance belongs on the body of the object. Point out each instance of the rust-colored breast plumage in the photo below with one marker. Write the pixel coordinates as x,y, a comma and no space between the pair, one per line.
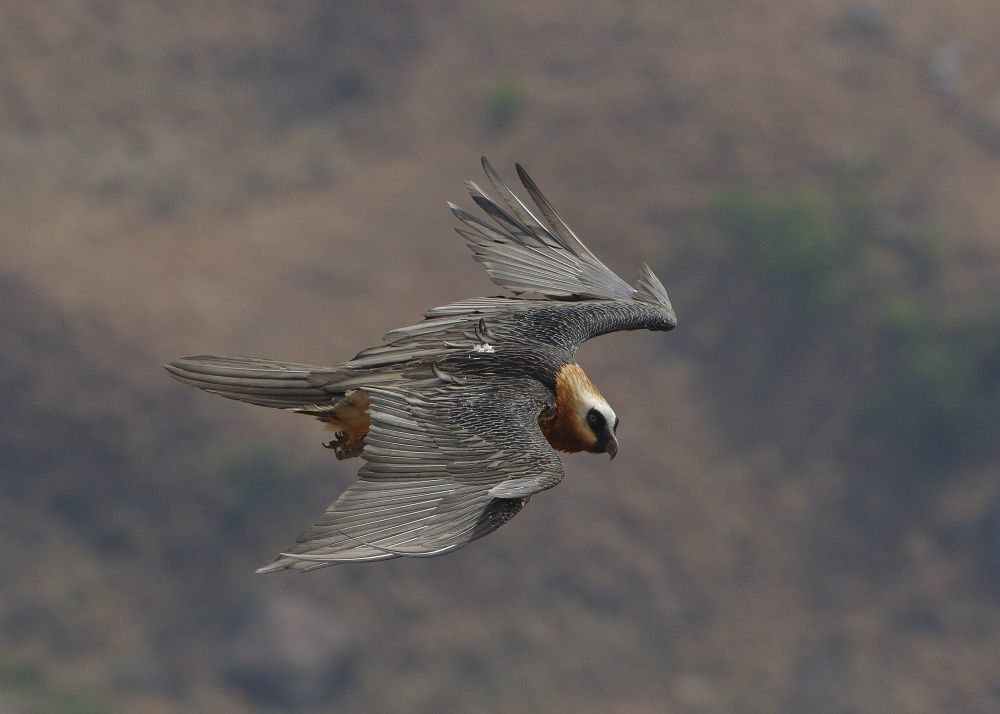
564,429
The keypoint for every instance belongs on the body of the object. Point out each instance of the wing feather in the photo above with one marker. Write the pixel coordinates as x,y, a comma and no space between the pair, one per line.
559,226
520,210
523,254
445,465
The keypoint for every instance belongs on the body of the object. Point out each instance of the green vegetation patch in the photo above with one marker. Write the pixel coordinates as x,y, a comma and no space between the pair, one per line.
812,251
32,687
504,104
861,310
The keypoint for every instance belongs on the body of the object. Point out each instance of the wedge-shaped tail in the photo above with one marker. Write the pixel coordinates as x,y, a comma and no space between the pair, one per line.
282,385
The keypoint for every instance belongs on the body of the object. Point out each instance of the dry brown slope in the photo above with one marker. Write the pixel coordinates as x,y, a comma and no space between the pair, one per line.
180,181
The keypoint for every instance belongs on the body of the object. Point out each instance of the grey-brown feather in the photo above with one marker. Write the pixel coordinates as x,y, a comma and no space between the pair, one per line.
438,460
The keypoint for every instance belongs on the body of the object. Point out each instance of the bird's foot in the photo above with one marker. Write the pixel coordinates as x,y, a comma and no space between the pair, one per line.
345,447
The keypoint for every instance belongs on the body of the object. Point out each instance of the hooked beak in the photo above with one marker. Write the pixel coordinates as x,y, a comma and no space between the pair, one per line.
612,448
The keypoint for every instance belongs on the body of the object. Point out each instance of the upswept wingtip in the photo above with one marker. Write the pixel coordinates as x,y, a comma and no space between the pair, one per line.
649,289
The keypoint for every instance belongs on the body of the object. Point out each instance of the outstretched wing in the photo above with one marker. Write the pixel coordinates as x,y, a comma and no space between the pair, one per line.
446,464
580,296
572,297
524,254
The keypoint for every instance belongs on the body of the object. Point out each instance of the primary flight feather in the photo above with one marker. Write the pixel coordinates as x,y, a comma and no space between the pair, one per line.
459,417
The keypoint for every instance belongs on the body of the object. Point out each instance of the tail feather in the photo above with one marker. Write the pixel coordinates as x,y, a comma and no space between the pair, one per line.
283,385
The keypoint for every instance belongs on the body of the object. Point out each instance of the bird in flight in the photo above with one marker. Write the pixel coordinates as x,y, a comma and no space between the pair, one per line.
459,417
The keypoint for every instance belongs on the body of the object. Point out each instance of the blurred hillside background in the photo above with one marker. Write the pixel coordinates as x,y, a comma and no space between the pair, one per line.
805,515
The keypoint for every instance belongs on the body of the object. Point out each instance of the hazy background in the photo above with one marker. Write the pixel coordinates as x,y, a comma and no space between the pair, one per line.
805,514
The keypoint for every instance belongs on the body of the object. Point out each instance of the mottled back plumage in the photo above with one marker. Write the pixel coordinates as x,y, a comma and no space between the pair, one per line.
452,405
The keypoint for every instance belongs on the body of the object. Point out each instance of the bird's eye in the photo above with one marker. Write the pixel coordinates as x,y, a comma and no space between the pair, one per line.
595,418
